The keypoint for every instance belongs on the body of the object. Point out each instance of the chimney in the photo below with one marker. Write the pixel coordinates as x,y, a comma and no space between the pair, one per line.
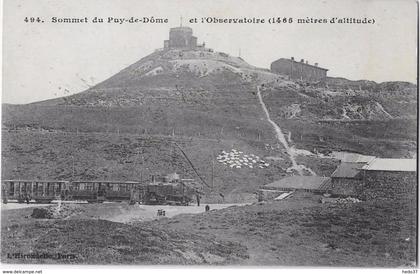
302,60
316,64
292,58
306,61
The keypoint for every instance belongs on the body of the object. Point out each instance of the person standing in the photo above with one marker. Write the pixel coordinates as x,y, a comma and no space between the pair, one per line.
198,199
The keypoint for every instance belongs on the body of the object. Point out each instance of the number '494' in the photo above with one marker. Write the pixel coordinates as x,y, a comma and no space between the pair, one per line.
33,20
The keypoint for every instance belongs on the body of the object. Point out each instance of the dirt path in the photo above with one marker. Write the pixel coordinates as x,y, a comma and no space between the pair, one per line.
11,206
126,213
280,136
115,212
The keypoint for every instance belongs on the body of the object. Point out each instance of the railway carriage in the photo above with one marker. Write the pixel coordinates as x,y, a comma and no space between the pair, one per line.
39,190
120,191
174,192
99,191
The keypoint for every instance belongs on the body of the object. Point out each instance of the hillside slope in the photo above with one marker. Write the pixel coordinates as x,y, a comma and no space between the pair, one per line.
124,127
300,231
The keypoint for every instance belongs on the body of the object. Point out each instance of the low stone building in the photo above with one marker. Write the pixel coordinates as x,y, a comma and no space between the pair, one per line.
346,179
378,179
389,179
299,70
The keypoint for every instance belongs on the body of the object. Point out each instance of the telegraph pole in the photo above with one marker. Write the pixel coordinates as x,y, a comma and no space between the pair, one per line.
212,171
72,161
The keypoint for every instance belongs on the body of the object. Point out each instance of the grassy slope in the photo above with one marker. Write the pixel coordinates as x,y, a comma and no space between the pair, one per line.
208,114
105,242
105,155
130,157
316,126
298,231
302,231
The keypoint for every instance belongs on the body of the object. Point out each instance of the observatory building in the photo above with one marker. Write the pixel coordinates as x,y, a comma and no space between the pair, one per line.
180,37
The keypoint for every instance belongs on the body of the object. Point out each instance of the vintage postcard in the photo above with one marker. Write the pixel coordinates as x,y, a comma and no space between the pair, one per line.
219,133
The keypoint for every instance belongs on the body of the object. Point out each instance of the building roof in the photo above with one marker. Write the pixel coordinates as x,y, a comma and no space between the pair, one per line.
107,182
302,63
301,182
388,164
349,157
33,181
183,29
347,170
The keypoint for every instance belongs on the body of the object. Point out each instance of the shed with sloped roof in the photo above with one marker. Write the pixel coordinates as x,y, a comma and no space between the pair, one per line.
347,179
315,184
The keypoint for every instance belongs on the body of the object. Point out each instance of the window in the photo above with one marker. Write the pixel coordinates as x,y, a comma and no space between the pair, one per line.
115,187
12,189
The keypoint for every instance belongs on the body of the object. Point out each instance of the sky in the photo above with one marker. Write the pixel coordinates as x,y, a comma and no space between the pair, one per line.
49,60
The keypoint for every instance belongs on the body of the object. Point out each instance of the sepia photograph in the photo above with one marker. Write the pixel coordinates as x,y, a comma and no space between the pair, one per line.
231,133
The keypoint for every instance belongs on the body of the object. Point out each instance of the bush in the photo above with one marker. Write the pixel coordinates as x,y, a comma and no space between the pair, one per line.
41,213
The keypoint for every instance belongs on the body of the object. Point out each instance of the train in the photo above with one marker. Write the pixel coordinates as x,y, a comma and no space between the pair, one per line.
174,192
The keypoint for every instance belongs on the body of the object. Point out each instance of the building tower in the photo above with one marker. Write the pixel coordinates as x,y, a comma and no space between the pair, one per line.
180,37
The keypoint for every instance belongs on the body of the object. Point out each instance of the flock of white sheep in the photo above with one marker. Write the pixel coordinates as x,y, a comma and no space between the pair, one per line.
237,159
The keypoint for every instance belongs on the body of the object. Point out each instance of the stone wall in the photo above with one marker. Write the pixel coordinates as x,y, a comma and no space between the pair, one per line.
377,185
389,185
346,187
